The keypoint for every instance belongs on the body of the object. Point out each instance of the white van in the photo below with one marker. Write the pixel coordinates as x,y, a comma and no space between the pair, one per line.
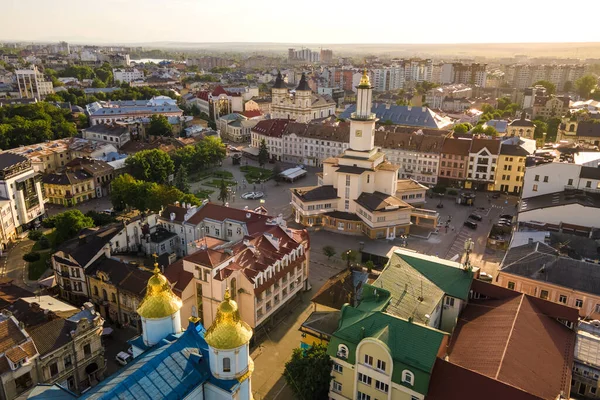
123,358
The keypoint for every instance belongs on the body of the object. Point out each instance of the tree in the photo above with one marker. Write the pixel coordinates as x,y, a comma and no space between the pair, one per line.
552,129
189,198
97,83
568,86
277,172
69,223
541,127
160,126
263,153
181,180
462,128
100,218
151,165
550,87
308,372
122,191
162,195
350,256
490,131
223,192
585,85
329,251
370,265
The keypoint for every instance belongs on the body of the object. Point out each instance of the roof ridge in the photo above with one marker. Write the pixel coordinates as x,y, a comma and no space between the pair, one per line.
509,336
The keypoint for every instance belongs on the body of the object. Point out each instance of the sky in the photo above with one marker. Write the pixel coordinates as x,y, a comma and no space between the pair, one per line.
327,22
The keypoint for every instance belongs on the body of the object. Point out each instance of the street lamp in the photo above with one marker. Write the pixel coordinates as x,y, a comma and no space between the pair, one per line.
468,247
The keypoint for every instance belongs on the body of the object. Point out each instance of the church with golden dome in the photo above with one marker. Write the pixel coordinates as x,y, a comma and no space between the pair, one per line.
174,363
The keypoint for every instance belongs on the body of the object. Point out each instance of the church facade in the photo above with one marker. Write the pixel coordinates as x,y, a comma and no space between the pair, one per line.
303,105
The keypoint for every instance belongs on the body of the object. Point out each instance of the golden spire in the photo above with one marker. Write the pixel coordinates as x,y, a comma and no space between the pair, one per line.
159,301
228,331
364,80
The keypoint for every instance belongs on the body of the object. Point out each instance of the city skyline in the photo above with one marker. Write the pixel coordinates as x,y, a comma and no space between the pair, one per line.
132,22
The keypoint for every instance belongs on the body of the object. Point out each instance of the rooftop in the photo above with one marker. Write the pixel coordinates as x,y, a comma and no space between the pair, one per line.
380,202
404,115
316,193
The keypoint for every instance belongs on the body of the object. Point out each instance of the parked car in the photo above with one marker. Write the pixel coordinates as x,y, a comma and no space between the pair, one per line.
470,224
252,195
506,216
508,221
496,196
476,217
123,358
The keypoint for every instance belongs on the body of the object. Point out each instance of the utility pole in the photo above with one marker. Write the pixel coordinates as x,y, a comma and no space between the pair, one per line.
469,245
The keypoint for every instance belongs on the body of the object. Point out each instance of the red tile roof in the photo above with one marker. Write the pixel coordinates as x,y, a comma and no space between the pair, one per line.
271,127
456,146
254,222
203,95
252,113
178,277
493,145
218,91
516,340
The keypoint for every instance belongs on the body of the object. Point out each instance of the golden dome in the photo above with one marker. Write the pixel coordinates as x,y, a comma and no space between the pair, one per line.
228,331
364,80
159,301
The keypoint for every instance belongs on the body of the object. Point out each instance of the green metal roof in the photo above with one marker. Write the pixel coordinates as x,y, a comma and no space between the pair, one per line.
412,346
447,275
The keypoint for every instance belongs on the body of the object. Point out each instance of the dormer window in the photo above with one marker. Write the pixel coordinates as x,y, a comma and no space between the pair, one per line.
408,377
342,351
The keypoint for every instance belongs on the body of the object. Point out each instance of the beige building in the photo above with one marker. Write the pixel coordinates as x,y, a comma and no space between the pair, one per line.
46,157
521,127
33,84
579,131
69,188
550,107
304,106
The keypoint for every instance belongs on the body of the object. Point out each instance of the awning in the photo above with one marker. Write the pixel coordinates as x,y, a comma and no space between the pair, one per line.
48,282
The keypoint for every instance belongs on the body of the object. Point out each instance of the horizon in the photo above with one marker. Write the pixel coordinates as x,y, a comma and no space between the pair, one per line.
143,22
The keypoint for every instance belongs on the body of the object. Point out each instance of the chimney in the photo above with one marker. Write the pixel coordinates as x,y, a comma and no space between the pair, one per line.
183,204
530,241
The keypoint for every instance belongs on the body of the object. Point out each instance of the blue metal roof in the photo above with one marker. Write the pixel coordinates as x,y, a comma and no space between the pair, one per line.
499,124
403,115
170,370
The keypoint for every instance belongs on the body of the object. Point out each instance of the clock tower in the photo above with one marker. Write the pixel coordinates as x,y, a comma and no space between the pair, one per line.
362,122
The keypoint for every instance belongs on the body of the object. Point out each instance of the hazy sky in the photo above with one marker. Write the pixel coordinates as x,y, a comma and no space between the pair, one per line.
333,21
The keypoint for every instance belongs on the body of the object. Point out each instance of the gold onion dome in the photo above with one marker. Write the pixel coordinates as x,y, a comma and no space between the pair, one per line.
228,331
364,80
159,301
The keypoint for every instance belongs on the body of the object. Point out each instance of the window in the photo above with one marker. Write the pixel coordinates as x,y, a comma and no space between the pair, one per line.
68,362
562,299
366,379
226,364
381,365
362,396
597,308
537,178
368,360
53,369
87,350
545,179
95,290
229,232
368,178
570,182
384,387
578,303
337,387
338,367
511,285
535,187
408,377
347,180
588,184
544,294
217,232
449,301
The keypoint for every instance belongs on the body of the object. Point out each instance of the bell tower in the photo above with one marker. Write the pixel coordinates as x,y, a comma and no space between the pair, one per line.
362,121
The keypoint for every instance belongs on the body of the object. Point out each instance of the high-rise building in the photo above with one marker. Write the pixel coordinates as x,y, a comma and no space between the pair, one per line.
326,56
32,83
563,76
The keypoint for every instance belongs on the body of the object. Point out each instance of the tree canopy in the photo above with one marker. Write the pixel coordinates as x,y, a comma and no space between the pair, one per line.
209,151
78,96
159,126
69,223
151,165
308,372
462,128
34,123
550,87
263,153
585,85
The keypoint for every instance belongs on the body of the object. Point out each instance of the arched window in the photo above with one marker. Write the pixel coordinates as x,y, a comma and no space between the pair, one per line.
233,288
408,377
342,351
95,290
572,128
226,364
113,298
104,295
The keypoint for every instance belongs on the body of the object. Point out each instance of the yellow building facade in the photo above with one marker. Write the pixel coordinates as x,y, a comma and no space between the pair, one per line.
69,188
510,169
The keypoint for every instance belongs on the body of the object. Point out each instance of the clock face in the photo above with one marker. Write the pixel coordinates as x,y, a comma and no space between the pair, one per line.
358,133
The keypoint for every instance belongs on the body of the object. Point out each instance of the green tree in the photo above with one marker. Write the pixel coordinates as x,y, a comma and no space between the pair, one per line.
350,256
223,192
370,265
100,218
329,251
97,83
308,372
162,195
568,86
462,128
211,150
552,129
263,153
585,85
490,131
189,198
550,87
151,165
541,127
160,126
69,223
122,191
181,180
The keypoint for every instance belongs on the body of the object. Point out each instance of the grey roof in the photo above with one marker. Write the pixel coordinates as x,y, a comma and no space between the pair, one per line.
513,150
279,82
303,85
588,128
378,201
324,322
402,115
586,199
86,246
316,193
590,173
66,178
106,129
8,159
541,262
349,169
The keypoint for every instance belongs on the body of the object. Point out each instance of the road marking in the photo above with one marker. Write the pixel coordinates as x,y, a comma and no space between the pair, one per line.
280,390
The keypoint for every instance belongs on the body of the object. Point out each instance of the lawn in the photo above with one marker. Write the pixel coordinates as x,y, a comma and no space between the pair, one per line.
203,194
198,176
256,174
217,183
37,268
51,236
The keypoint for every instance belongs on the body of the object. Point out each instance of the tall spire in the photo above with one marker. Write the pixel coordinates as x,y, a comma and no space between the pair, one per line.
303,85
279,82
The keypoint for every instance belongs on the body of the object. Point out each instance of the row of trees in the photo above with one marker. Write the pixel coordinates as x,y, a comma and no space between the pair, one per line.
206,153
34,123
128,192
125,92
101,76
586,87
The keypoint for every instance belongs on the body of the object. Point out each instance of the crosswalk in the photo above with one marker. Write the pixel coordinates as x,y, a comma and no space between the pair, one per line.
459,243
